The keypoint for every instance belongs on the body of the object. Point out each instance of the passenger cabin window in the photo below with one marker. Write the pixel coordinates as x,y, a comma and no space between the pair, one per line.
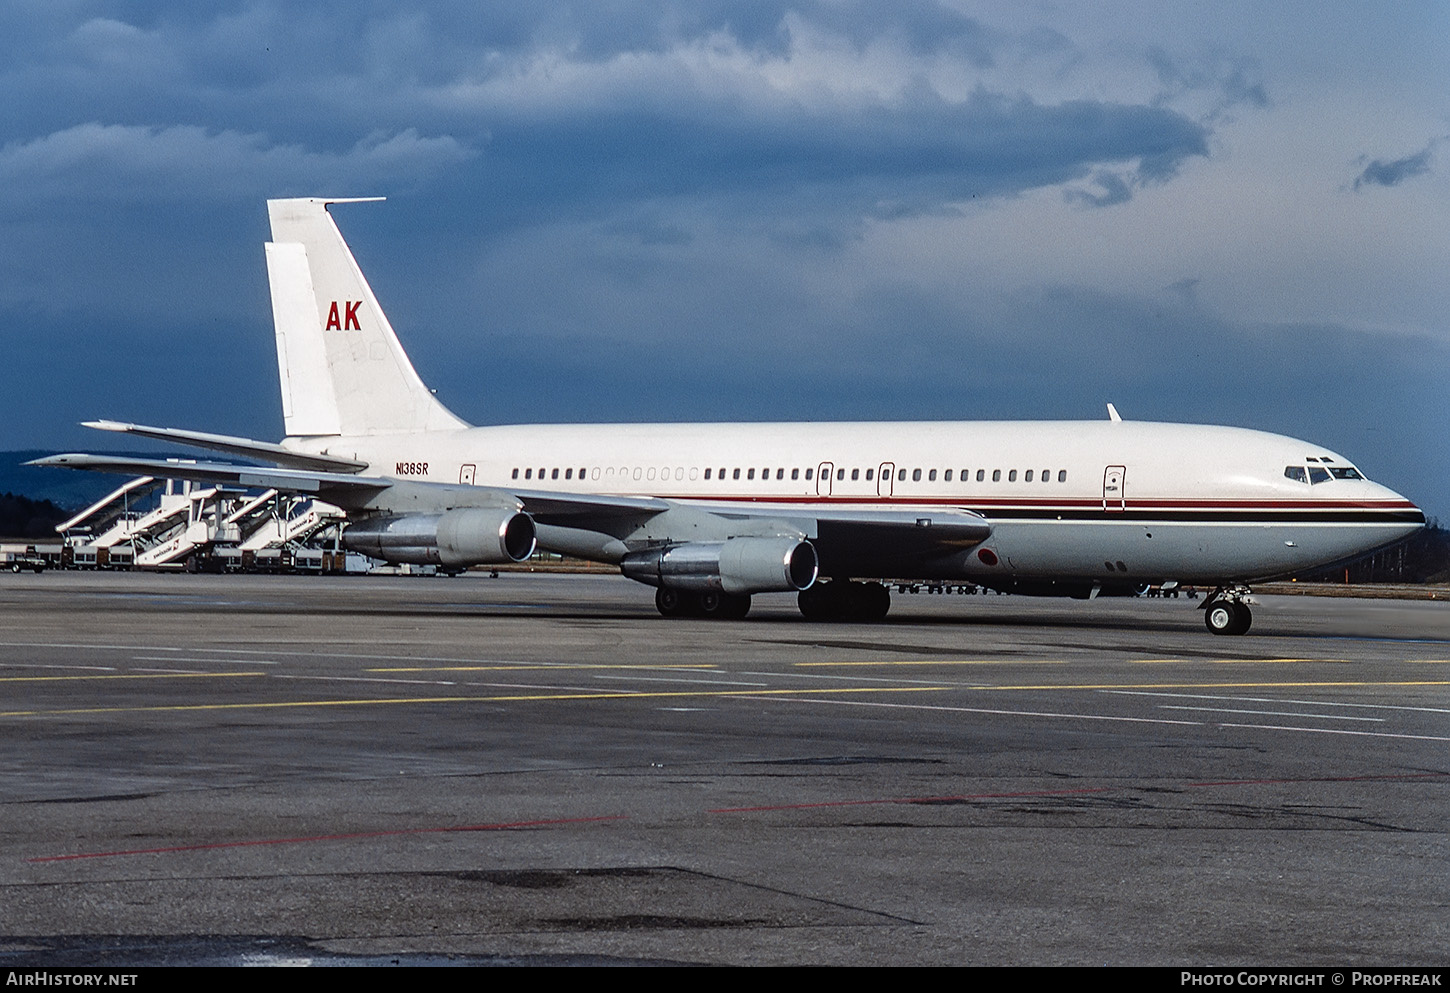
516,474
981,475
947,476
916,475
869,474
795,474
1012,476
1028,477
1062,475
931,476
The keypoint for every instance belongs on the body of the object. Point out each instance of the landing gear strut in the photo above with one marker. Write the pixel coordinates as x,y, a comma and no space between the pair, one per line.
1225,612
842,600
708,603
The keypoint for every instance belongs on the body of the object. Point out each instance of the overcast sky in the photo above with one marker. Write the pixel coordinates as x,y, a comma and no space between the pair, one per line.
1231,213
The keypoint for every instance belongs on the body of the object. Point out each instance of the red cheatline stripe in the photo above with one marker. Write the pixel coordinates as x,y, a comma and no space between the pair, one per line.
328,837
909,501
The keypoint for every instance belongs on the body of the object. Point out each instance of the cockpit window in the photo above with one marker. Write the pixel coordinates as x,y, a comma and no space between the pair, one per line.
1320,474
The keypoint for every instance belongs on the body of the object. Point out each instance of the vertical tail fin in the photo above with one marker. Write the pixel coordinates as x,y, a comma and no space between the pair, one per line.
341,366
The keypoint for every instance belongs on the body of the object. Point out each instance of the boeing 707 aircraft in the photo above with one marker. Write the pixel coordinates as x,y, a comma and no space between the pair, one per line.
710,514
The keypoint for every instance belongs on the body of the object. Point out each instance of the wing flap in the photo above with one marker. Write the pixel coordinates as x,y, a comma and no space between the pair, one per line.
291,480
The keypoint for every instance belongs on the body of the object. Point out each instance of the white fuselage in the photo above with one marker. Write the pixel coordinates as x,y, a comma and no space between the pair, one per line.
1102,501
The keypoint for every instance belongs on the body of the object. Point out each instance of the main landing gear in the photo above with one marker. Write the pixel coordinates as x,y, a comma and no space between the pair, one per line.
843,600
708,603
1226,612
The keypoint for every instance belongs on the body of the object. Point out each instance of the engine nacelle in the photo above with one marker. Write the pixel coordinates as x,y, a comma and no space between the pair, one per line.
464,537
736,565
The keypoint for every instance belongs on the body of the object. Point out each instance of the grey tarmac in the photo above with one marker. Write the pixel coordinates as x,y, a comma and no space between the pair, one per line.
540,769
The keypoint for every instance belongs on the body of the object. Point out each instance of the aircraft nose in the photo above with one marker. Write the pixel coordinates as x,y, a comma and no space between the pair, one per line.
1409,513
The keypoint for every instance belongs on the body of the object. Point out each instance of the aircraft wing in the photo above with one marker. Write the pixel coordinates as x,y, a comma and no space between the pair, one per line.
844,534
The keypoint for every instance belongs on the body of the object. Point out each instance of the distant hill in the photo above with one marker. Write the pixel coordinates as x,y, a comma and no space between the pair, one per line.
21,517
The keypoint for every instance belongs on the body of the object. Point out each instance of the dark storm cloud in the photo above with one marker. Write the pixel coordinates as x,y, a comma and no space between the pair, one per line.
874,160
114,163
296,96
1393,173
1228,81
1115,190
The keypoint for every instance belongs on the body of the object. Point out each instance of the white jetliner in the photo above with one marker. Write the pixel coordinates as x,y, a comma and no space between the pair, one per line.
712,513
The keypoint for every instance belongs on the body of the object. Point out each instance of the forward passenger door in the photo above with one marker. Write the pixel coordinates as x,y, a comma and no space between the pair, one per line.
1114,496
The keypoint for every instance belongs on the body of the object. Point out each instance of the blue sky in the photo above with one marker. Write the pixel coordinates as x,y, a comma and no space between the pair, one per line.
1231,213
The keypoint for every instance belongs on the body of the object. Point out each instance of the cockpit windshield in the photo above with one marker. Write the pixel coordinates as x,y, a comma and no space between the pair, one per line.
1320,474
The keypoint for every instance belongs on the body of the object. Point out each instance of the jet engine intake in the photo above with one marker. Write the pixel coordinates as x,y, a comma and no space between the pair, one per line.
736,565
463,537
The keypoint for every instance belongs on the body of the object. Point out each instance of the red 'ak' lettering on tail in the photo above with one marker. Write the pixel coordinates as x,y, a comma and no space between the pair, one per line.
347,321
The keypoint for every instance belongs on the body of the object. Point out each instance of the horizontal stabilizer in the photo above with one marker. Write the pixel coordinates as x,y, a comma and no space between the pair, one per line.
264,451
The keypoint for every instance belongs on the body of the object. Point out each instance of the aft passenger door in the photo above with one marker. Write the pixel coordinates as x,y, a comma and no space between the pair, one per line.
1114,497
885,479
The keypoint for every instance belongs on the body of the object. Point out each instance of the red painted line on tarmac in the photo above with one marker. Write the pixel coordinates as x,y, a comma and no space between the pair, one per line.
328,837
1096,789
911,799
1323,779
